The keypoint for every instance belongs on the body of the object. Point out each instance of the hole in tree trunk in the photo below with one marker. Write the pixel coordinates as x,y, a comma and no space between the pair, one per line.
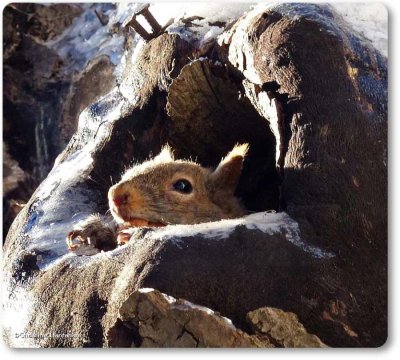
203,115
208,114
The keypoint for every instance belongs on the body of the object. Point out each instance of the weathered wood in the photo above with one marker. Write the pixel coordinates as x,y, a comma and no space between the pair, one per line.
332,88
321,93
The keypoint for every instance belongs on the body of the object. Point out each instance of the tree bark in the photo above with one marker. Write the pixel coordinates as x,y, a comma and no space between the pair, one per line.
311,99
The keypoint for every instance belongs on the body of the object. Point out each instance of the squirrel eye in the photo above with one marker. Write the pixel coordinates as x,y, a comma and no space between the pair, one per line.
183,186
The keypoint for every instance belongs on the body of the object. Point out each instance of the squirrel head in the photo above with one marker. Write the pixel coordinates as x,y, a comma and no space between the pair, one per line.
167,191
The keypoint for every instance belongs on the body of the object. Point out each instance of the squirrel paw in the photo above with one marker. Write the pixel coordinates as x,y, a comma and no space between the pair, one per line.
123,238
91,236
83,247
125,230
124,233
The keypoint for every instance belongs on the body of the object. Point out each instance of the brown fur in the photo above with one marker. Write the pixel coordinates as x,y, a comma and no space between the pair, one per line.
147,198
150,195
93,231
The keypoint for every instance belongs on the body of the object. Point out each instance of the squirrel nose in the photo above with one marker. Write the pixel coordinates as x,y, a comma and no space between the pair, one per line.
120,199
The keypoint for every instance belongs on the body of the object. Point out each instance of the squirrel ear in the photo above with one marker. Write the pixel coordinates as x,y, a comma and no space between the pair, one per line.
166,154
227,174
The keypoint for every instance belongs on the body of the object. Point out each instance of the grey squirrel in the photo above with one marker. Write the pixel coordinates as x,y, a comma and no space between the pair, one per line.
164,191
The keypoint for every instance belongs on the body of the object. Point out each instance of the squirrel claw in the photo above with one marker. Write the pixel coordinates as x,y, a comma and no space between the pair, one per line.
70,237
84,247
91,235
76,234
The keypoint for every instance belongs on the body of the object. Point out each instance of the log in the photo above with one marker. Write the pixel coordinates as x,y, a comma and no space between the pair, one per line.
310,97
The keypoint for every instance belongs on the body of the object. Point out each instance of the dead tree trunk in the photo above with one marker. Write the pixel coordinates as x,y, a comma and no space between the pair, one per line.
310,98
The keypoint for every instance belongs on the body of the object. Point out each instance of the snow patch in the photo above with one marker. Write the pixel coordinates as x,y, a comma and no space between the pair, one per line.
87,38
369,20
215,17
17,309
80,161
146,290
267,222
124,10
48,222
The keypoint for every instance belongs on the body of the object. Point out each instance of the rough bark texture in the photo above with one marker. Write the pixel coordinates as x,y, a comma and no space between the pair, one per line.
41,101
149,318
333,91
327,109
95,81
152,319
283,328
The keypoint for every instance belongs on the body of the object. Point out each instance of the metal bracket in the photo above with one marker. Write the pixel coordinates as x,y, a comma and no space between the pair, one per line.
145,12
